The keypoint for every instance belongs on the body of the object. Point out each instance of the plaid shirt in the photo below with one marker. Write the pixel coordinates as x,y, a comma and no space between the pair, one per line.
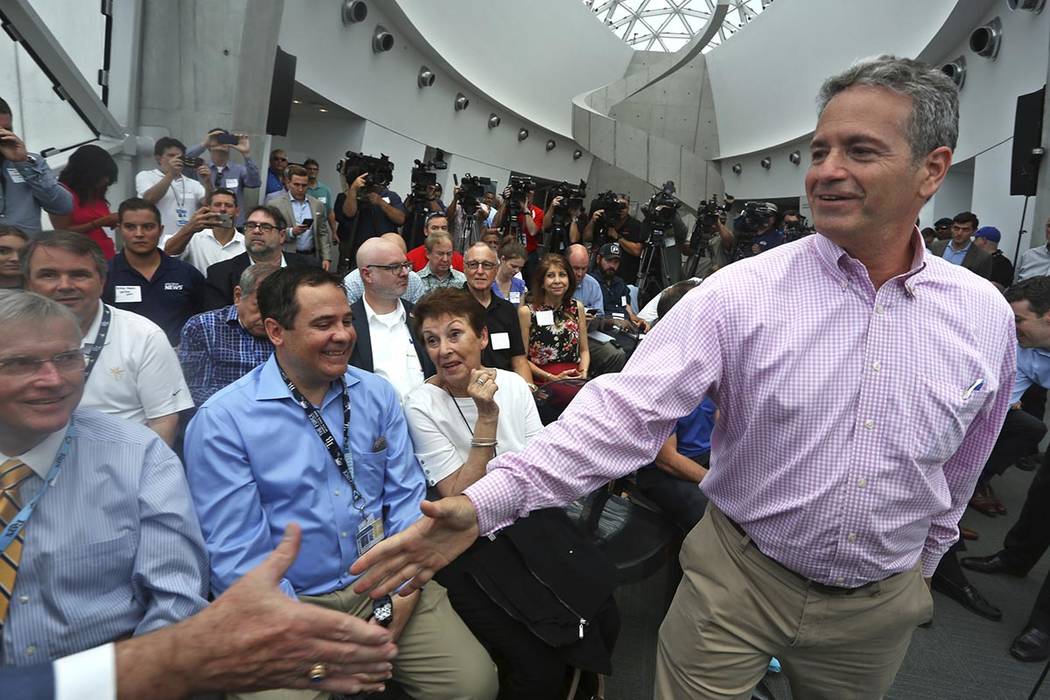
216,351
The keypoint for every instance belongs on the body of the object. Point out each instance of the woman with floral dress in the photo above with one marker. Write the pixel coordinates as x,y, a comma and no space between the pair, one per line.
553,324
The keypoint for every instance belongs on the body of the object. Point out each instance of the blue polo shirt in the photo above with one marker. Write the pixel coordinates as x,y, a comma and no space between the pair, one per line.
175,293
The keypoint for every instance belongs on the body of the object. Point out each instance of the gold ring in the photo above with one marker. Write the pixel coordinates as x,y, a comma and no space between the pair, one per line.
318,672
480,380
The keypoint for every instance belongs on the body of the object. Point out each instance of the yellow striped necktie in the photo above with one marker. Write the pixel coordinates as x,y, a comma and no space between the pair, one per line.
12,473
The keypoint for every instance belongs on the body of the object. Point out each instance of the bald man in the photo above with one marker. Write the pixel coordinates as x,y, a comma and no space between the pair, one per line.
355,288
606,357
385,344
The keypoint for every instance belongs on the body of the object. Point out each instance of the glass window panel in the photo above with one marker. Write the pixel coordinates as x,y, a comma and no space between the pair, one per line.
80,28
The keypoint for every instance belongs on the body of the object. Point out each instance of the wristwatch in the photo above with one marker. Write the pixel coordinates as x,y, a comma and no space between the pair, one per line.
383,611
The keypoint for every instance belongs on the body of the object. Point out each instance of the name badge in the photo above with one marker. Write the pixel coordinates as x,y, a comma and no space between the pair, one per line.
15,175
623,301
515,297
545,318
323,200
182,216
231,183
127,294
369,534
500,341
386,199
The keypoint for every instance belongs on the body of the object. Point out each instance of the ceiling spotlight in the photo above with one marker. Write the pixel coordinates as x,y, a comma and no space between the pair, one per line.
523,134
494,120
297,102
985,40
425,77
577,154
551,144
461,102
766,162
795,157
322,110
1027,5
354,11
737,168
956,70
382,40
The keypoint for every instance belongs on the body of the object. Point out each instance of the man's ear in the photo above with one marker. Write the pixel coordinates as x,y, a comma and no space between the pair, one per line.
237,294
934,169
274,331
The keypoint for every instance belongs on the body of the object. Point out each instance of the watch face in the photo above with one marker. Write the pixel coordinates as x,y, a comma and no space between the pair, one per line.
383,611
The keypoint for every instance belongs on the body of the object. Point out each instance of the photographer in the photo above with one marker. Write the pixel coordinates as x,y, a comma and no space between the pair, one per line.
210,236
365,210
27,185
175,195
623,229
754,231
561,227
225,173
468,200
517,197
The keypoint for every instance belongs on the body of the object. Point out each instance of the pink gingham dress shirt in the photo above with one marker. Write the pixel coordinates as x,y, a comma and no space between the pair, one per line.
853,422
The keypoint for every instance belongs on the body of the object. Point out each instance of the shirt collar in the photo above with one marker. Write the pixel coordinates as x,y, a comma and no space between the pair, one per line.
231,315
92,331
391,319
41,457
271,386
845,266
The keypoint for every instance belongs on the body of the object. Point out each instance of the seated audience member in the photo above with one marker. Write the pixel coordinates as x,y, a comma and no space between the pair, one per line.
553,324
175,195
306,219
379,212
355,289
88,174
673,480
959,249
253,636
508,283
12,240
226,174
144,280
459,419
649,311
263,237
1002,270
616,296
219,347
210,236
504,349
26,182
385,344
111,546
438,272
436,222
1035,261
605,356
248,487
132,371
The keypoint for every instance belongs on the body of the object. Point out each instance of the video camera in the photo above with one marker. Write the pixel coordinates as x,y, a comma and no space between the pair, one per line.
380,171
797,229
610,205
755,218
661,209
472,189
572,197
424,177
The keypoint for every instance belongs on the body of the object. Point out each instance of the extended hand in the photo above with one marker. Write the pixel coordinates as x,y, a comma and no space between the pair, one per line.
448,527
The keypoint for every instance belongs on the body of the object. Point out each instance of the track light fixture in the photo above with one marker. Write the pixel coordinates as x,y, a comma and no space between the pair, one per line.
382,40
354,11
956,70
985,40
425,78
461,102
577,154
795,157
551,144
523,134
738,168
494,120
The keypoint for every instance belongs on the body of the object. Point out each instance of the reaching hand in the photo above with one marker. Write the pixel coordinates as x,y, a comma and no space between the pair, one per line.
448,527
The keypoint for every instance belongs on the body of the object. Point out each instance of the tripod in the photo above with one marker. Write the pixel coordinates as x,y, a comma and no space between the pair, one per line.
470,227
654,273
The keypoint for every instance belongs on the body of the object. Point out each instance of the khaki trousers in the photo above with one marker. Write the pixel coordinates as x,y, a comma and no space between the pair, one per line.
438,658
735,608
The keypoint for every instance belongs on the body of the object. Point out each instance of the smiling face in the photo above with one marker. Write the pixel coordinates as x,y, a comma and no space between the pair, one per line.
1033,330
556,281
453,347
70,279
39,403
141,231
862,183
316,349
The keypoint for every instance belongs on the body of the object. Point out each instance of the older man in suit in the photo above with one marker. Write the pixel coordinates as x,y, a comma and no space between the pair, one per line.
960,250
306,219
385,343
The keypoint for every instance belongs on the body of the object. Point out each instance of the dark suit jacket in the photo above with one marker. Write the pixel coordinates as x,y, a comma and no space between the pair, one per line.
976,260
224,276
28,682
361,357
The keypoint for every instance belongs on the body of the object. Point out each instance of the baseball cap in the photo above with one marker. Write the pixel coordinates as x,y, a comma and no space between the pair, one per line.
943,223
610,250
989,232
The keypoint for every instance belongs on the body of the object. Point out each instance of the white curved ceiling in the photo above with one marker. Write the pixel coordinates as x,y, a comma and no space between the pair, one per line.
668,25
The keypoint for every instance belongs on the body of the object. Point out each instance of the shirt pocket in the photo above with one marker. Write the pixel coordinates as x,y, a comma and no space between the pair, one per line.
91,583
948,407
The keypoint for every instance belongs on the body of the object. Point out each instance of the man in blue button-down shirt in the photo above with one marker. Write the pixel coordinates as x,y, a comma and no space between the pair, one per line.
224,173
256,464
28,185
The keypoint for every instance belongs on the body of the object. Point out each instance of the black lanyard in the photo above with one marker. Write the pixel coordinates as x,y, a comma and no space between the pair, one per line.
343,459
95,349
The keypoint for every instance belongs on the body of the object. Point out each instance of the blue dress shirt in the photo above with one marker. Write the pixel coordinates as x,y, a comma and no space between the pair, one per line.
955,257
589,293
1033,367
693,432
255,465
216,351
235,174
113,548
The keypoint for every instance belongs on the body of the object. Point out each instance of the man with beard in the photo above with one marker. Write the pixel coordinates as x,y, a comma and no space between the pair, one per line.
616,295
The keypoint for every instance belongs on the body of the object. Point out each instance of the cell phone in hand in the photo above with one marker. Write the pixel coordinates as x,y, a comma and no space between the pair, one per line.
225,221
227,138
192,163
307,223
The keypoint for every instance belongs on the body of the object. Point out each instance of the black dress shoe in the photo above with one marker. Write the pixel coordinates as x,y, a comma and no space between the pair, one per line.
1033,644
969,597
994,564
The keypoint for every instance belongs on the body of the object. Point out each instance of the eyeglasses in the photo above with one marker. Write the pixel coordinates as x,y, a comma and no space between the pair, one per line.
28,366
262,226
475,264
393,267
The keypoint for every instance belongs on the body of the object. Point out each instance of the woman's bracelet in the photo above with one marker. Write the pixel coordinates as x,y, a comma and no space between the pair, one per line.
483,443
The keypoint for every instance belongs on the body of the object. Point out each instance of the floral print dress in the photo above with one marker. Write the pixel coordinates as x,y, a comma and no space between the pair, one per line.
558,343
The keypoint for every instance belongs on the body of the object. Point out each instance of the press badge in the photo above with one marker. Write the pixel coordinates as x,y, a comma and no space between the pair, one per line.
515,297
127,294
182,216
369,534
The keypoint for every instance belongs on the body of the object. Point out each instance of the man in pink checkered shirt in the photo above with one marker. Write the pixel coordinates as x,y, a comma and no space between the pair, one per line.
842,459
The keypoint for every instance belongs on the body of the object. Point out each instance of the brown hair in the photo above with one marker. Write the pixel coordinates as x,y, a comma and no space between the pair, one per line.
446,301
546,263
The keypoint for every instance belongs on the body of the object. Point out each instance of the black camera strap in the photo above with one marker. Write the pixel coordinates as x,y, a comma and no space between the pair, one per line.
95,349
343,458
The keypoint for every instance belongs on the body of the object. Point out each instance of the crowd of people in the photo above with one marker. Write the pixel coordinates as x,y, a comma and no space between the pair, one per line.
227,386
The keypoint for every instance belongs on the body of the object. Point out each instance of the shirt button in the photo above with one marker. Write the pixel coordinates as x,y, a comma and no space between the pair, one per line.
845,285
876,366
879,309
862,482
337,493
343,533
851,537
869,424
23,599
30,650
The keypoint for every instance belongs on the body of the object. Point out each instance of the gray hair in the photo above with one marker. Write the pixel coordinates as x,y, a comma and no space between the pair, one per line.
934,120
253,275
75,243
27,307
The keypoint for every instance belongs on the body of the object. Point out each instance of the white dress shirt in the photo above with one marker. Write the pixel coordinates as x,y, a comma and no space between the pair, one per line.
204,250
393,354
